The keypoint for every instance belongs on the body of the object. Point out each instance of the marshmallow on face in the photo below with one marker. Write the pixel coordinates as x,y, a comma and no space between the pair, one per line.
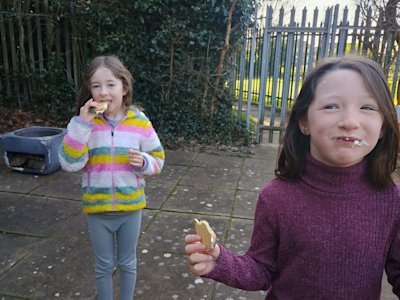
360,143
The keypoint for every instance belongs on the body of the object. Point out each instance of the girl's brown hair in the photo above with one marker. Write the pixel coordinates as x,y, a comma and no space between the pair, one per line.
295,145
112,63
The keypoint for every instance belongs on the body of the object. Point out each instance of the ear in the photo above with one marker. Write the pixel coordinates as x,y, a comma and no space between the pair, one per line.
303,125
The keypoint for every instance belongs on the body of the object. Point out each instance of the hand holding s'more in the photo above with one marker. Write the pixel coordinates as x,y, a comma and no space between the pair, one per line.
101,107
202,248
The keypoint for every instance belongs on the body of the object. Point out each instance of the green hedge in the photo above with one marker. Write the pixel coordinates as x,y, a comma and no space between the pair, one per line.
172,48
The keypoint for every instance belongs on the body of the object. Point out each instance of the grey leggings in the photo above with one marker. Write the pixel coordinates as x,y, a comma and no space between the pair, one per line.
125,227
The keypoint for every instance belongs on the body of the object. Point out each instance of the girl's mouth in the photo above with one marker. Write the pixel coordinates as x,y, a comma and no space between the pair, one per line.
355,142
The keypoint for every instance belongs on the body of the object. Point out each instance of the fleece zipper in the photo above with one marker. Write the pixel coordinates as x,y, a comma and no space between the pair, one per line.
112,155
112,169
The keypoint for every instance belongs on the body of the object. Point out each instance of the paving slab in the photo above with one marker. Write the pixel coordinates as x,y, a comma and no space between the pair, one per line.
160,187
55,269
245,204
165,275
157,194
202,200
239,235
62,185
217,177
7,199
170,175
14,181
36,216
179,157
18,246
226,162
256,173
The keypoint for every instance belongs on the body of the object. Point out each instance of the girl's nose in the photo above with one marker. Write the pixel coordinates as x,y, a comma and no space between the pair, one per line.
103,90
349,120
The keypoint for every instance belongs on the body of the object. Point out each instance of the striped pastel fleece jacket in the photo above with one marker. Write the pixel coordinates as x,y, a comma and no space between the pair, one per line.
109,182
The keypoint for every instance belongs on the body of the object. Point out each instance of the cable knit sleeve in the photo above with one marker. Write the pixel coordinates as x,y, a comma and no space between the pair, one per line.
73,152
392,266
254,270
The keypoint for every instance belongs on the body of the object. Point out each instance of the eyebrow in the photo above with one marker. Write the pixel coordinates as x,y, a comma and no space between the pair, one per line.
111,80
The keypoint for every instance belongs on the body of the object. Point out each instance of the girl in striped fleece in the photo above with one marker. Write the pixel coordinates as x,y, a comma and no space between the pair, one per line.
116,149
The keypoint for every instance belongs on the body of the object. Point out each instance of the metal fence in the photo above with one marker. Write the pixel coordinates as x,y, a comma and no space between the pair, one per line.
276,57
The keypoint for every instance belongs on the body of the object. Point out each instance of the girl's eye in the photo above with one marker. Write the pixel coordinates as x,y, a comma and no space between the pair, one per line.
367,107
331,106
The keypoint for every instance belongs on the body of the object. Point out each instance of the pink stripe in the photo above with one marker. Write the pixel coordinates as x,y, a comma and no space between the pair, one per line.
109,167
101,127
155,167
150,131
73,143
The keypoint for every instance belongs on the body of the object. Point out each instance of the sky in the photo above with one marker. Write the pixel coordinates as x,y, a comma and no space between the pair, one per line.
322,6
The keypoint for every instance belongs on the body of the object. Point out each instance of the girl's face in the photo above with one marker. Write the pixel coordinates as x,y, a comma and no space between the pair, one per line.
105,87
343,111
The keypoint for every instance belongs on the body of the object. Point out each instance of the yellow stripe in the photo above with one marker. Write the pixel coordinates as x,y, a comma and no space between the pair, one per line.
122,207
97,209
136,122
131,114
98,120
108,208
121,159
72,152
158,154
99,159
106,159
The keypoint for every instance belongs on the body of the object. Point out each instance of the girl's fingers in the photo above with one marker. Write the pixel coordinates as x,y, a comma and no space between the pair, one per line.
200,261
195,247
199,267
192,238
198,258
86,107
135,157
89,101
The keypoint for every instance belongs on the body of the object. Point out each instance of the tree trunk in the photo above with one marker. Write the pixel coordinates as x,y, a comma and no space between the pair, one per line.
222,55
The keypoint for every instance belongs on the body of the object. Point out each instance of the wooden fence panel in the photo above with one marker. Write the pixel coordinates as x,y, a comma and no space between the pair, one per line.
31,42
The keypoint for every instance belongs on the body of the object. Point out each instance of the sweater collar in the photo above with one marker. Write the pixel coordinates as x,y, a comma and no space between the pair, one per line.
335,179
100,118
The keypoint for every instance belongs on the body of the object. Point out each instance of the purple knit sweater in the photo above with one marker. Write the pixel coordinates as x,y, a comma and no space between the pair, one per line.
328,235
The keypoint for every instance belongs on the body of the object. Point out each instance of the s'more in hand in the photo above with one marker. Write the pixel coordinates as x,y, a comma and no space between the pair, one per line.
208,237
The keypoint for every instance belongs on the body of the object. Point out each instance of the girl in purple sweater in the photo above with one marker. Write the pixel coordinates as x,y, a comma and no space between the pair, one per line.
328,225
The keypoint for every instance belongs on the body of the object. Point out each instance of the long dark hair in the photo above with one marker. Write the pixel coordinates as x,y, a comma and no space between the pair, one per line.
295,145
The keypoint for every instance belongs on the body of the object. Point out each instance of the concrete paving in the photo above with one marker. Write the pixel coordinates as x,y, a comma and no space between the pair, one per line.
45,252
